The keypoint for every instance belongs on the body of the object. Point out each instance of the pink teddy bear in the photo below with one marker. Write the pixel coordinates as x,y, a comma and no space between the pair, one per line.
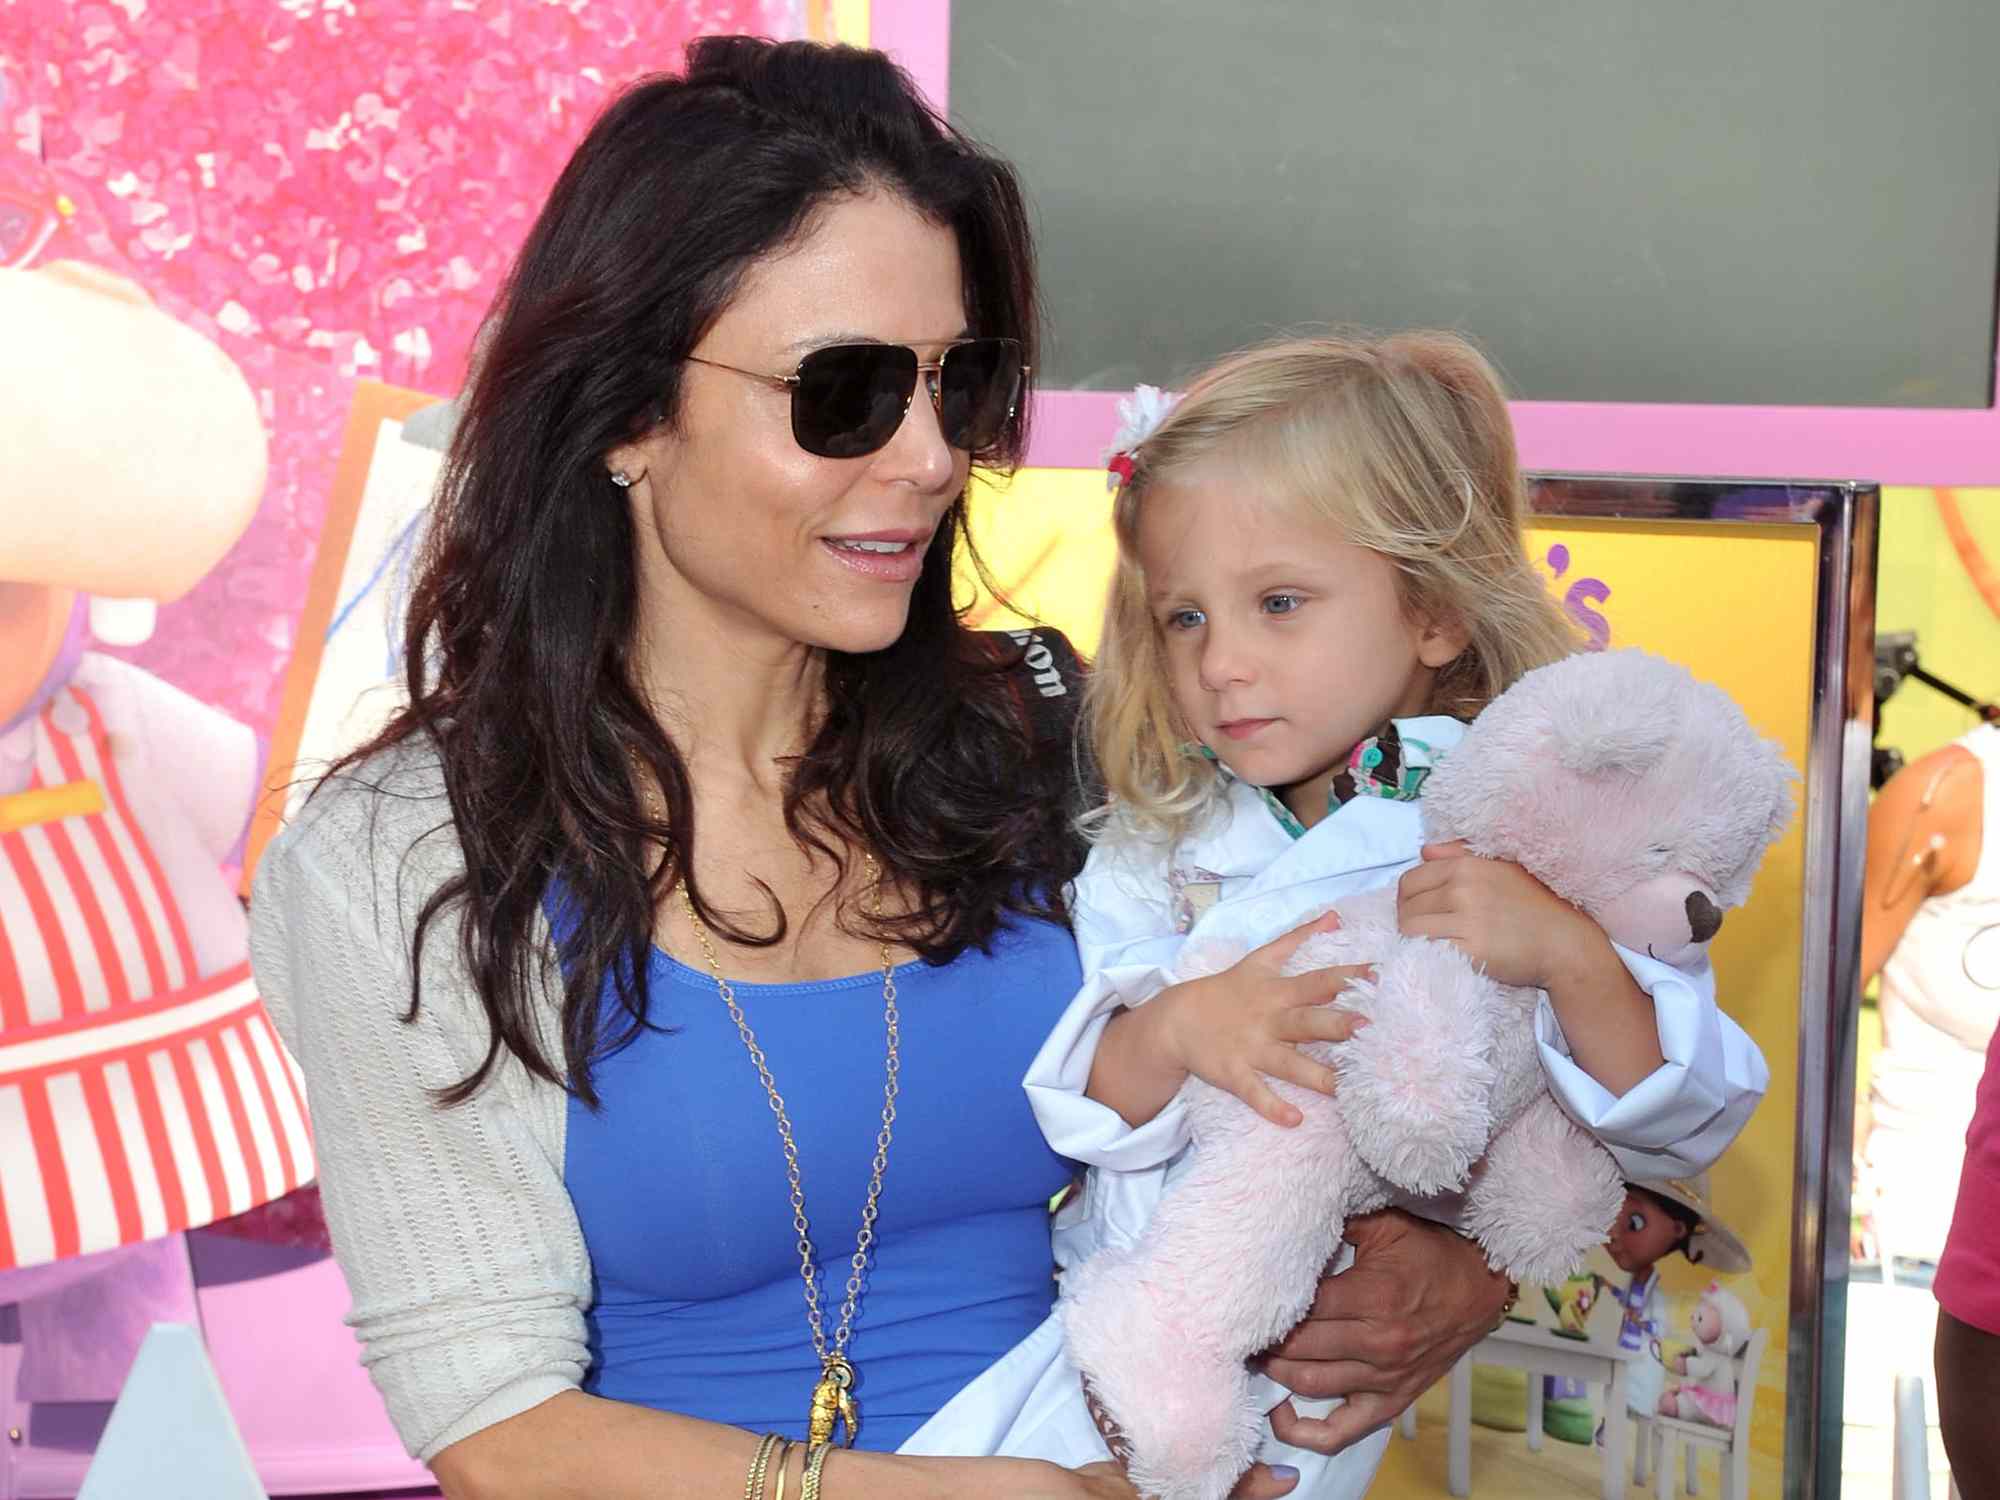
1632,790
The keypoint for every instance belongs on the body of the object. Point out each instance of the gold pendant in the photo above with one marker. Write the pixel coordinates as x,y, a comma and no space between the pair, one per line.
832,1405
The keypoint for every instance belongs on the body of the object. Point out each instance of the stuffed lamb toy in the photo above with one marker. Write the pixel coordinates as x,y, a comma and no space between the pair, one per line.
1630,789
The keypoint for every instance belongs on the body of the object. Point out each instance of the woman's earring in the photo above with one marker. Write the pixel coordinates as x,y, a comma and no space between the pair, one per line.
620,478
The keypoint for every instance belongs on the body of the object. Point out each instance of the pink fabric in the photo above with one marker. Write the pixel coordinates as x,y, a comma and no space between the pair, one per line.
331,194
1968,1276
1717,1408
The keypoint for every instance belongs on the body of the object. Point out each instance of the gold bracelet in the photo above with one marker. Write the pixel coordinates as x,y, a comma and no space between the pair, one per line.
784,1457
815,1461
753,1485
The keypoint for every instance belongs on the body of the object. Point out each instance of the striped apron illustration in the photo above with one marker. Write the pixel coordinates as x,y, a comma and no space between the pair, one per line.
137,1096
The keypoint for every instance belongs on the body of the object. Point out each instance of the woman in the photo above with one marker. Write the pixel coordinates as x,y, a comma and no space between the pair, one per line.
1930,925
708,895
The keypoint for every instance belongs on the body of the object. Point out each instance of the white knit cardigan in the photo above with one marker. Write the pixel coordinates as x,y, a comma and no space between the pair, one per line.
458,1239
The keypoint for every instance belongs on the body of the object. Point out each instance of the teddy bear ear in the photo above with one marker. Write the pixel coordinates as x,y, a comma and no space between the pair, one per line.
1784,802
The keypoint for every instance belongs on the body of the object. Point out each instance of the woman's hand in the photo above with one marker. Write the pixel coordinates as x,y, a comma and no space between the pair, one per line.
1242,1027
1385,1330
1106,1481
1230,1029
1100,1481
1505,920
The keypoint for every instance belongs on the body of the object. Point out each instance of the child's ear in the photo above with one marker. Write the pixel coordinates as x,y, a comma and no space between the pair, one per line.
1441,640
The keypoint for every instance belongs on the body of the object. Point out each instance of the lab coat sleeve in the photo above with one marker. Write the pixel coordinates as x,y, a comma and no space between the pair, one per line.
1122,912
1678,1119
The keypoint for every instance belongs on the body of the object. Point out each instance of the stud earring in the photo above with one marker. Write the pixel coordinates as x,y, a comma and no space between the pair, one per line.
620,478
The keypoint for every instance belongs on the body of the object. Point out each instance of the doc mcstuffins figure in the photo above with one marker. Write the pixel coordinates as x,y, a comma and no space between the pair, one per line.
1707,1391
1659,1219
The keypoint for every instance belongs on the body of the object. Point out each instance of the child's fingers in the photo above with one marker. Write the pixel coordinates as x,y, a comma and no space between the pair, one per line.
1293,1066
1455,849
1317,986
1424,879
1274,953
1320,1023
1443,925
1430,901
1251,1087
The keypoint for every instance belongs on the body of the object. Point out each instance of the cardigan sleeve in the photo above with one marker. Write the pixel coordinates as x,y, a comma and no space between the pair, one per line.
459,1243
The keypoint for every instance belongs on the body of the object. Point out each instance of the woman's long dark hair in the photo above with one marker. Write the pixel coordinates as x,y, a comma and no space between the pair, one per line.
523,615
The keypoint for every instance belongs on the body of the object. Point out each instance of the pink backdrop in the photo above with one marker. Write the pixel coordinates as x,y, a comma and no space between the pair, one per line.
330,190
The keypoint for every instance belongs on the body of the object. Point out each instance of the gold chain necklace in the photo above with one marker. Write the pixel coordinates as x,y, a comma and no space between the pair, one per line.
832,1398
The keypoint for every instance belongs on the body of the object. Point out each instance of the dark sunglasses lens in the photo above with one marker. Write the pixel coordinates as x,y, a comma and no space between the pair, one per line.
850,398
978,386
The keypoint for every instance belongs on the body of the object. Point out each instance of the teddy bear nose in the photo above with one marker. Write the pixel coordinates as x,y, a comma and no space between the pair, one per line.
1704,917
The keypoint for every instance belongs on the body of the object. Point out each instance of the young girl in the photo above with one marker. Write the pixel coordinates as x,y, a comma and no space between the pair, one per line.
1321,577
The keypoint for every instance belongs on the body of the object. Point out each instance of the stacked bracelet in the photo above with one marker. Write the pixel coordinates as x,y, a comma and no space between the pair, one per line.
784,1457
753,1484
815,1461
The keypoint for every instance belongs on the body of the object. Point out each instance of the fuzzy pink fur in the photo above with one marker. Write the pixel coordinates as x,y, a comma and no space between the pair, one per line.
1613,778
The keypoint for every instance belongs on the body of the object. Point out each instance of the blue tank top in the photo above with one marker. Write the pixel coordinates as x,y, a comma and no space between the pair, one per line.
679,1184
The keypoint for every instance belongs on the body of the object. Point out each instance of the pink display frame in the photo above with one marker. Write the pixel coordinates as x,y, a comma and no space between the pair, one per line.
1893,445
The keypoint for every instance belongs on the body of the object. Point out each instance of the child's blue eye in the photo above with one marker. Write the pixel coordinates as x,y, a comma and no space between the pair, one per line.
1186,619
1281,604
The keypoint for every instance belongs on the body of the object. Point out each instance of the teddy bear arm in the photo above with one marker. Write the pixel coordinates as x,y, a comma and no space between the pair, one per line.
1416,1083
1545,1194
1228,1264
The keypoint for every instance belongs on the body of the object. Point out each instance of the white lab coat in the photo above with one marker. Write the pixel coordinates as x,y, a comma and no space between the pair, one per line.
1242,880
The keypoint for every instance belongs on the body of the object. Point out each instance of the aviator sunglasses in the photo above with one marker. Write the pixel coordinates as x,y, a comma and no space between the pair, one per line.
850,399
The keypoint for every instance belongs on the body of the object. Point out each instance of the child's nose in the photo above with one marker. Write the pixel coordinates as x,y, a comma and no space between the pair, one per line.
1224,660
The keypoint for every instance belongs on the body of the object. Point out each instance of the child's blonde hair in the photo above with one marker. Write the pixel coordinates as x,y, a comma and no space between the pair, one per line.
1405,444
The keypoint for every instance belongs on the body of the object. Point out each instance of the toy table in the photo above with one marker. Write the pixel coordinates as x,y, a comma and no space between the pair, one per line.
1526,1346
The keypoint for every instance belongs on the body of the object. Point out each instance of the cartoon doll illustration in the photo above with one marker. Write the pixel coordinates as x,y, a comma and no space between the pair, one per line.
141,1084
1571,1302
1707,1390
1659,1219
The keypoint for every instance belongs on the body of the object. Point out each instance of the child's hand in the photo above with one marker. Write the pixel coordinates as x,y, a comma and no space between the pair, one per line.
1234,1028
1506,921
1522,933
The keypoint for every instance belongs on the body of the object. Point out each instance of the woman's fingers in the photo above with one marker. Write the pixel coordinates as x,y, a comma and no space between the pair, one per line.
1265,1482
1319,1379
1339,1428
